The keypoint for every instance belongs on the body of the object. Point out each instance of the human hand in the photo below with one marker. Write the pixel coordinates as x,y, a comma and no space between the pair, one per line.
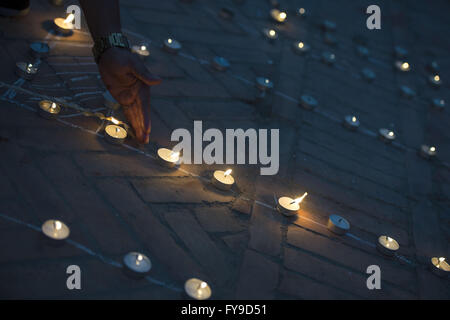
128,80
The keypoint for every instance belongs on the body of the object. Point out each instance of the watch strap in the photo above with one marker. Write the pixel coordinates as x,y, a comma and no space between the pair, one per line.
101,44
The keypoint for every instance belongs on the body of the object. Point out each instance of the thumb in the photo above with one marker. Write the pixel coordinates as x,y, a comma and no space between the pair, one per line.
142,73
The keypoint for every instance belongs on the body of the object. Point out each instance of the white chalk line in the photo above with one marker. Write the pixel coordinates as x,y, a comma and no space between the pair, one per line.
90,252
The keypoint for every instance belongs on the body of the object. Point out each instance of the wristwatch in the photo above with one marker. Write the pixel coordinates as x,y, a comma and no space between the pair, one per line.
117,40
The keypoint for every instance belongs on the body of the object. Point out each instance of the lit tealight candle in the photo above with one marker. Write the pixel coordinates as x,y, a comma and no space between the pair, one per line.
386,135
220,63
137,264
337,224
278,16
301,12
223,179
270,34
308,102
329,58
197,289
403,66
55,230
114,133
387,245
141,50
351,122
264,84
428,152
64,26
368,74
440,266
289,206
26,70
172,45
49,109
300,47
39,49
435,80
438,104
167,157
407,92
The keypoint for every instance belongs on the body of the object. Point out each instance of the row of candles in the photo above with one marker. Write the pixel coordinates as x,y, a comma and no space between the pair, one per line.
138,264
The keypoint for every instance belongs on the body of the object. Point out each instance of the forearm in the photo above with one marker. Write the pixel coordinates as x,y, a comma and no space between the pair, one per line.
103,16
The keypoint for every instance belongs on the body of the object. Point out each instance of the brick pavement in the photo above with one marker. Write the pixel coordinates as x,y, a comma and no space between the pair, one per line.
119,199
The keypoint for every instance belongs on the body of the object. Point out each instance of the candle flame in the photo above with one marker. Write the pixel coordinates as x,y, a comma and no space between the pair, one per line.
266,80
301,11
53,106
298,200
272,32
114,120
389,239
437,78
69,18
174,155
391,133
139,258
29,66
441,259
169,40
353,119
301,44
226,173
203,285
57,225
405,65
433,149
143,48
282,16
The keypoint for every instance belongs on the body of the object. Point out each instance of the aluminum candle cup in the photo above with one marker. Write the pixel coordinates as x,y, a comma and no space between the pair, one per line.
26,70
49,109
338,225
300,47
368,74
167,157
435,81
222,180
270,34
220,63
197,289
400,52
141,51
328,58
438,104
387,245
351,122
264,84
407,92
55,231
39,50
440,266
115,134
427,152
64,26
136,265
402,66
386,135
278,16
172,45
289,206
308,102
109,101
328,26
